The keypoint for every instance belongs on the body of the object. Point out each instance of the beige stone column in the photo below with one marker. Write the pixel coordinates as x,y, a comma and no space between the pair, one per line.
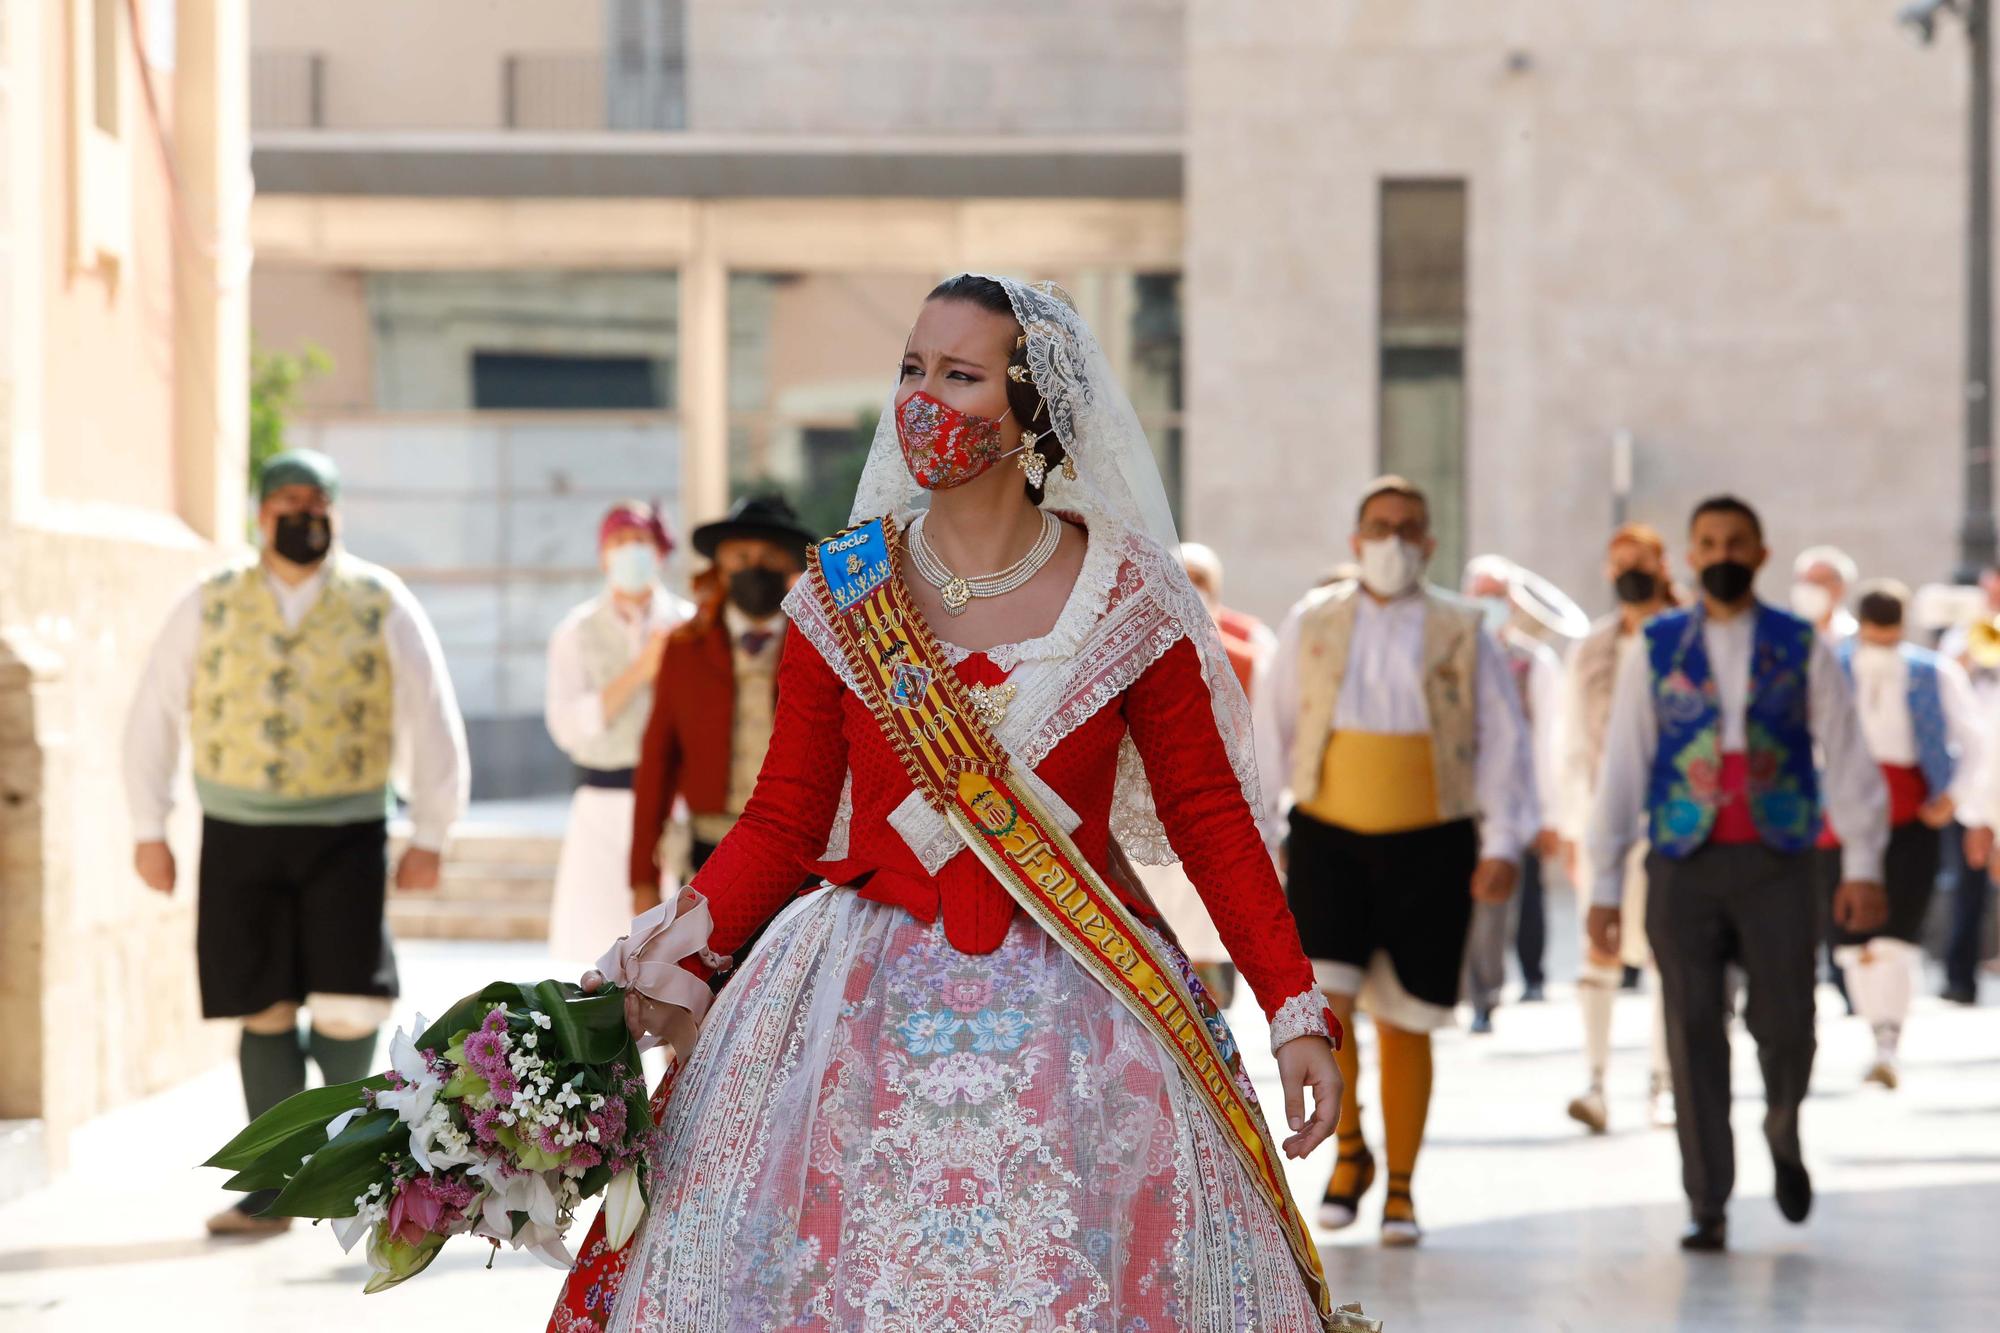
212,265
704,386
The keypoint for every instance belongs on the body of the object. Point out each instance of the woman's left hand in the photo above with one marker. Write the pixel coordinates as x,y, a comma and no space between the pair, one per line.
1308,1062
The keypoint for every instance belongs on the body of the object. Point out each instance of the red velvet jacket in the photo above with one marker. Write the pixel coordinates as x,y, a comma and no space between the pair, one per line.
823,730
686,750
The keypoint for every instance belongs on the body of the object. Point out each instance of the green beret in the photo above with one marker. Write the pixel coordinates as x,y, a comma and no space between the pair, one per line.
300,467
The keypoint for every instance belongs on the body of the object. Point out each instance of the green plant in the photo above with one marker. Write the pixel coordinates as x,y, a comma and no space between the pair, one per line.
275,381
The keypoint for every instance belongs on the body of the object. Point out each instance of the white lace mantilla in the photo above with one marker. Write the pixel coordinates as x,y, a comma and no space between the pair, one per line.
1125,611
1304,1015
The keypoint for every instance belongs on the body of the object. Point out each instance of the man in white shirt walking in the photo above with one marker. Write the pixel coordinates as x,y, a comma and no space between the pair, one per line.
602,661
1711,741
303,675
1923,726
1389,711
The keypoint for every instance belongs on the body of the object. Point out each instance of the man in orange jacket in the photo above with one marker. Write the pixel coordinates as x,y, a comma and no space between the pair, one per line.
715,694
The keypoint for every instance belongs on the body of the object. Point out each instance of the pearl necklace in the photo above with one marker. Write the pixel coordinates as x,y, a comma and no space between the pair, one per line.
957,591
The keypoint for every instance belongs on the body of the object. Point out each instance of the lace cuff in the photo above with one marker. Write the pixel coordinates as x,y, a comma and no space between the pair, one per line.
1304,1015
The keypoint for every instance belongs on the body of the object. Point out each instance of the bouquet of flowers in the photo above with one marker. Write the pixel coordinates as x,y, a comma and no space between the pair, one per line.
496,1121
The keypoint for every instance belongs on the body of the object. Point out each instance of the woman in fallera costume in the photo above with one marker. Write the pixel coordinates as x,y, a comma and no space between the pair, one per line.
961,1087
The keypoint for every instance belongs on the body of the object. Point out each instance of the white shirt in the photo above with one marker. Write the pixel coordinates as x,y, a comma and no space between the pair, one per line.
1882,696
571,705
1383,692
1579,764
1850,783
1545,723
430,760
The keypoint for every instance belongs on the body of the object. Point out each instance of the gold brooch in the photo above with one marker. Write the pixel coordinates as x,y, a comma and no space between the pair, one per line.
854,565
989,702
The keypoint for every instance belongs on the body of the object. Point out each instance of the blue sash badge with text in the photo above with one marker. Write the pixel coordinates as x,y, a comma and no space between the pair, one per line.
854,563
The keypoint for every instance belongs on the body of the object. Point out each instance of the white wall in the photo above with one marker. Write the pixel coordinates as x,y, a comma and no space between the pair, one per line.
1733,229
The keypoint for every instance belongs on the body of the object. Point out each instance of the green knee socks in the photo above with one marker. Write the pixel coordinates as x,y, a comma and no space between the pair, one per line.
273,1066
342,1060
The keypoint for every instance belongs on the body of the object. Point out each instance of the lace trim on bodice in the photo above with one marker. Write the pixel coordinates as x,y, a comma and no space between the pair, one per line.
1122,616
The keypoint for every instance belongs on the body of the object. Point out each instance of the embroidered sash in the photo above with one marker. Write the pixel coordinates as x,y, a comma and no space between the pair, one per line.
927,716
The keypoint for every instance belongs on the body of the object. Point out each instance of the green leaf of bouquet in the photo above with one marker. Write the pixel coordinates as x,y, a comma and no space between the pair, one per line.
589,1029
281,1162
593,1181
328,1184
284,1122
468,1013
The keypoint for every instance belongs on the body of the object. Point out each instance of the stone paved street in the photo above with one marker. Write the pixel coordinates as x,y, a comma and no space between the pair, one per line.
1532,1226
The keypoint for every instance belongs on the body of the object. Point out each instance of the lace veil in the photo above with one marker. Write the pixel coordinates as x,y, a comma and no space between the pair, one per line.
1118,494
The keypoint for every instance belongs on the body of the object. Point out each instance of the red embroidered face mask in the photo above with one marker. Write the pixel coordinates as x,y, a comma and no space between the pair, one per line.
944,447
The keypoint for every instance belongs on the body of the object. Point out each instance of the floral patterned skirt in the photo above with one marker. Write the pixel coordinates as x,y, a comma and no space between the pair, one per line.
879,1132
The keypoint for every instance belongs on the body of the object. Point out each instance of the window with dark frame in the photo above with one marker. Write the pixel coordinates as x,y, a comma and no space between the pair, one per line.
1421,337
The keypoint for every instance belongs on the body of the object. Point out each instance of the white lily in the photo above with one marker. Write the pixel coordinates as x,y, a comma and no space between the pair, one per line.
546,1244
413,1101
340,1122
541,1200
347,1230
624,1208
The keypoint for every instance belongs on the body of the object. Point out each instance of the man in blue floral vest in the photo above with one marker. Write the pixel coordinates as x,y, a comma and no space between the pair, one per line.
1710,753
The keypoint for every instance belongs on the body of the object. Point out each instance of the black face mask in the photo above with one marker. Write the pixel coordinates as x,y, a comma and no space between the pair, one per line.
1635,586
757,593
1727,580
303,539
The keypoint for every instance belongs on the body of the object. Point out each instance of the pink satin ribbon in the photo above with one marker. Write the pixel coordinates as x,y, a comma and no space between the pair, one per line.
649,959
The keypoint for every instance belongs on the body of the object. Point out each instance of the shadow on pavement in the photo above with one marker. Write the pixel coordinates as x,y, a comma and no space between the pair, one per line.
1893,1259
127,1252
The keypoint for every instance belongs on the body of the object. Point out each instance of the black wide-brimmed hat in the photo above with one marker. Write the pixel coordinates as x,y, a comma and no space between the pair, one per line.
765,516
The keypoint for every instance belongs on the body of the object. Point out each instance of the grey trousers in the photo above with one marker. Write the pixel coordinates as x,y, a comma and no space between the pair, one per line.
1754,907
1493,928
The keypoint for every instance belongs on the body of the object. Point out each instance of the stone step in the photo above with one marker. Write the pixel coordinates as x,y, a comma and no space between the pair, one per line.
487,849
418,916
499,894
497,884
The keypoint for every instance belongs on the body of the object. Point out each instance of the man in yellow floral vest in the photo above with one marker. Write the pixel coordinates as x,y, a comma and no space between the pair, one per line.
1389,711
300,674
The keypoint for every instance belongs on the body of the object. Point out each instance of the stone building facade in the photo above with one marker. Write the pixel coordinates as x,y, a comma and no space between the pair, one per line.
1731,230
122,407
1479,243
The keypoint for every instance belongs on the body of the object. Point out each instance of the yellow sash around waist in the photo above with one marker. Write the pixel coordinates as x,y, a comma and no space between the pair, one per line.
1374,782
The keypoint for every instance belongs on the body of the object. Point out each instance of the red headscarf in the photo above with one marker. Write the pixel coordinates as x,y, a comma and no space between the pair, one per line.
635,516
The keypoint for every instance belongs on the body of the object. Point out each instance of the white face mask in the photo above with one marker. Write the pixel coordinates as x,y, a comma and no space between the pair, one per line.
633,567
1811,601
1391,566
